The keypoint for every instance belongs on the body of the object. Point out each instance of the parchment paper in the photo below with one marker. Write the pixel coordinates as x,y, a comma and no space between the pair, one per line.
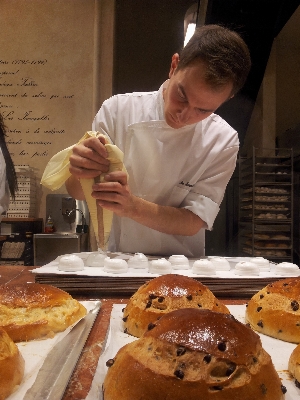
34,354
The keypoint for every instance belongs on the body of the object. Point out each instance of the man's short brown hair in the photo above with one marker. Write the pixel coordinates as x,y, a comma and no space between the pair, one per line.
224,53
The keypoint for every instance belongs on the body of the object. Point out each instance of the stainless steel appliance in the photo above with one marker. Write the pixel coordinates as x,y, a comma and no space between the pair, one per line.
71,222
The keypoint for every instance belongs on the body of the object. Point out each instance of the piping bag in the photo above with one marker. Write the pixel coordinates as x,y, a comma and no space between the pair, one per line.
57,172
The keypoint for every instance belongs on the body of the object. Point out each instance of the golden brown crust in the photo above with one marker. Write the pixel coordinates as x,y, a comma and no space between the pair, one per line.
33,311
275,310
31,295
163,294
294,364
193,354
11,365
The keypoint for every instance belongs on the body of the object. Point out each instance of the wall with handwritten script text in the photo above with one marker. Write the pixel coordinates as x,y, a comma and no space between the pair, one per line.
48,83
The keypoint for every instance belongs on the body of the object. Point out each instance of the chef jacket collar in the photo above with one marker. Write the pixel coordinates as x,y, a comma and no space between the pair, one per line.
161,103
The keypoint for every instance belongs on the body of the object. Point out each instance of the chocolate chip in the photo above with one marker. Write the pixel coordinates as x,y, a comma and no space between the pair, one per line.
254,359
217,387
261,296
110,362
125,318
295,305
297,383
230,370
283,389
160,299
279,330
123,309
180,351
149,304
285,284
125,330
179,373
260,323
258,309
222,346
151,326
207,358
152,296
200,305
263,388
189,297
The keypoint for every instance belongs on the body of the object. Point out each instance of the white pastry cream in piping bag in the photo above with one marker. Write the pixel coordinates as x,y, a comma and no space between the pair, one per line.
57,172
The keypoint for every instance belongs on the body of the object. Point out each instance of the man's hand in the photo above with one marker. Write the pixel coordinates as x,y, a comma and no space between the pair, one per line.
88,159
113,194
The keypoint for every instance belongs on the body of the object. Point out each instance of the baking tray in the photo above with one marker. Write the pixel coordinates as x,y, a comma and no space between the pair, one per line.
95,281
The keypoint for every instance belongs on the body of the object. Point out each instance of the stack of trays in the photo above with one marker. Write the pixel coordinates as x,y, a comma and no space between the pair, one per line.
11,253
24,205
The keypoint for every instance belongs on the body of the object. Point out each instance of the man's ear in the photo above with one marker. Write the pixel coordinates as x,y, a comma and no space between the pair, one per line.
174,63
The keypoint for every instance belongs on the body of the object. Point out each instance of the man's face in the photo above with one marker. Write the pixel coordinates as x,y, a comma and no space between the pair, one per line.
187,98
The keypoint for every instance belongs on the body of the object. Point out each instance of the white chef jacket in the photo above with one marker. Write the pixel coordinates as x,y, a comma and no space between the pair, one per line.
4,188
186,168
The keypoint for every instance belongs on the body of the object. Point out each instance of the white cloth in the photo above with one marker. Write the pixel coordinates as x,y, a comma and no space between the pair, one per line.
4,188
187,167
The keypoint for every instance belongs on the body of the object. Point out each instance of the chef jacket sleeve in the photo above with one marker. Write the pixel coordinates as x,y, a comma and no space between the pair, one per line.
104,120
207,194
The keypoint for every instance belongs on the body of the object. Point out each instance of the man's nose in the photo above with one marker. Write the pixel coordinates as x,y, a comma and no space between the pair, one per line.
184,115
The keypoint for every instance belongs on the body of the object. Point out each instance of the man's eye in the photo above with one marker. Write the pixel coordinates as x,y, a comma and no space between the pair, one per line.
181,96
199,111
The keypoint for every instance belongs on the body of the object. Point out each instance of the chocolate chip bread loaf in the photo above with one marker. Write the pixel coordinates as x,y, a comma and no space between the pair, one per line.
294,365
163,294
11,365
193,354
33,311
274,310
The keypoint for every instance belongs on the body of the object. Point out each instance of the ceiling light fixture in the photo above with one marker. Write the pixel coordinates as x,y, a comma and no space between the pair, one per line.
190,22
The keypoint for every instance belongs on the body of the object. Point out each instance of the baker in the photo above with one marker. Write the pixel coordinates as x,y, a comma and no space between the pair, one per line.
178,153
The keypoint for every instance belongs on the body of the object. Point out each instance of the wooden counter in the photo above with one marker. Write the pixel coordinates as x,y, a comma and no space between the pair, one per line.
80,382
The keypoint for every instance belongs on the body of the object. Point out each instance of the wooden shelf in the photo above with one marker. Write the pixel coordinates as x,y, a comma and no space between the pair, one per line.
21,219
